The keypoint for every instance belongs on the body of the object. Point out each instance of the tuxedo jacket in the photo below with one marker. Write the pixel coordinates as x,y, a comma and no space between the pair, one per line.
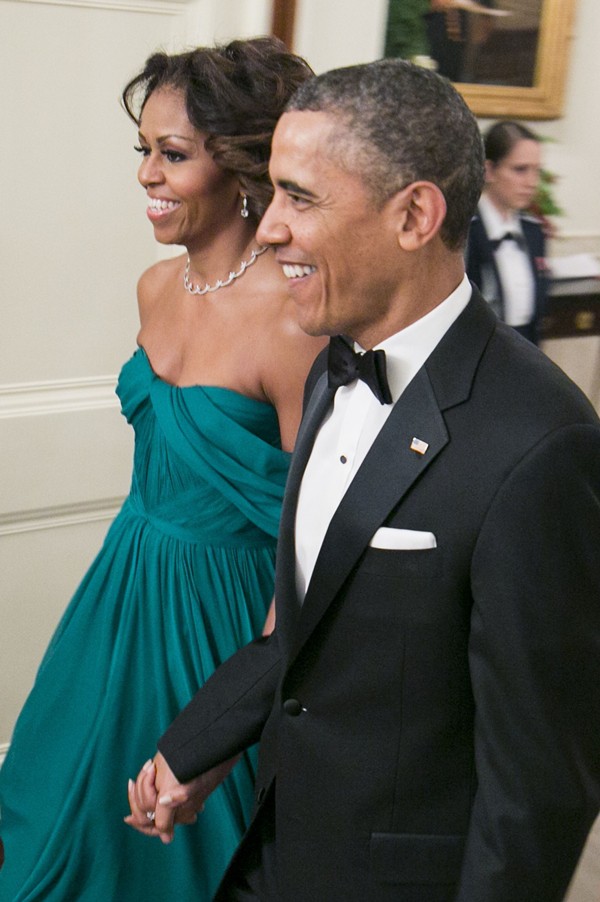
429,719
482,269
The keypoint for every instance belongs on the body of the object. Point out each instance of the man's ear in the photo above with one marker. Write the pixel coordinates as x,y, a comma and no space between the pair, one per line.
419,211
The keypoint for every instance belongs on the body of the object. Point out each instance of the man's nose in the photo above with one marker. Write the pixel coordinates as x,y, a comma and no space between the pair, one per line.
272,229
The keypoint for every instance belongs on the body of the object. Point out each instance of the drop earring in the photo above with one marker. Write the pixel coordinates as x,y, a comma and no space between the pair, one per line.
244,210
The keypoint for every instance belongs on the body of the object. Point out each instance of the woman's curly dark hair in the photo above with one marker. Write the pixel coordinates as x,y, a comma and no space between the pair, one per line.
234,93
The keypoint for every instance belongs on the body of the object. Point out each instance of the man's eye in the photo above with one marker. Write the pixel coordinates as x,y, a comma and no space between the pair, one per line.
298,200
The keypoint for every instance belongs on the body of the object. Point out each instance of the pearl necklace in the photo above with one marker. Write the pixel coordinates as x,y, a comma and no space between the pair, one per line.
220,283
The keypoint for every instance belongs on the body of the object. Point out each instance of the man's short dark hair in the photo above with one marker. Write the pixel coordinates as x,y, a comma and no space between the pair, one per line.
401,124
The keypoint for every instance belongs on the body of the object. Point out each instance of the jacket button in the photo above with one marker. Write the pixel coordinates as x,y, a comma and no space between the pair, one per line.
260,795
292,707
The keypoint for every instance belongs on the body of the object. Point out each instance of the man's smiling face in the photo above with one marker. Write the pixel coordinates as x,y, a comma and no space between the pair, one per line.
337,248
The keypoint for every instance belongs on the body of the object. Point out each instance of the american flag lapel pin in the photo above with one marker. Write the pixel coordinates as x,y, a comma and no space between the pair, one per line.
419,446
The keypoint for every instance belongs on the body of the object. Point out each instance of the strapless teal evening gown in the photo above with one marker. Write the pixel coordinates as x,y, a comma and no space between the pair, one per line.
184,578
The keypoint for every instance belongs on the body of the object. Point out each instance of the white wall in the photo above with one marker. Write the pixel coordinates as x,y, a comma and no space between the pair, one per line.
331,34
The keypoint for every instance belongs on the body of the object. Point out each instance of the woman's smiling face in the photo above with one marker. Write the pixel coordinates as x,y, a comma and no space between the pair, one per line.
189,195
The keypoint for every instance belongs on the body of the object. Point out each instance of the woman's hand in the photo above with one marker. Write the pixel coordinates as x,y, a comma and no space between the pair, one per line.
158,801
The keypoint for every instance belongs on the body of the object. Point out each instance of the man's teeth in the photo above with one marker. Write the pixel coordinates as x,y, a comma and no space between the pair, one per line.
156,204
295,271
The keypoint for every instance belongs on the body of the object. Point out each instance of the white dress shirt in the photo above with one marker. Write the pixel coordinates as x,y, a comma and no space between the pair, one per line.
513,264
352,424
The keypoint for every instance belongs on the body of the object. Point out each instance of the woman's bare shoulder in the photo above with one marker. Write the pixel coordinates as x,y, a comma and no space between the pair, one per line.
157,280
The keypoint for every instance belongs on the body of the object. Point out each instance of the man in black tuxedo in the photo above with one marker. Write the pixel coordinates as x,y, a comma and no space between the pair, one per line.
428,706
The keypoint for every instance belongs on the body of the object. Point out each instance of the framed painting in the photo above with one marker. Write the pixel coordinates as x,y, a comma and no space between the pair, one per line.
508,58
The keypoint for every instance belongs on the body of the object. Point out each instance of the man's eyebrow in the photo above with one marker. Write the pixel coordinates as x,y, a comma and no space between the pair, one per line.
294,188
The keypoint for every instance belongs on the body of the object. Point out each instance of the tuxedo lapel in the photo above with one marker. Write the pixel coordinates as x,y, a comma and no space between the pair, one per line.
285,580
391,466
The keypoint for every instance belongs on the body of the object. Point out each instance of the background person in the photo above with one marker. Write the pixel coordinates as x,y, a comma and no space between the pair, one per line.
185,575
428,704
506,250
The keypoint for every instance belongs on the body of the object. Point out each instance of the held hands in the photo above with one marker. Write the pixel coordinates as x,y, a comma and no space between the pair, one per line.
158,801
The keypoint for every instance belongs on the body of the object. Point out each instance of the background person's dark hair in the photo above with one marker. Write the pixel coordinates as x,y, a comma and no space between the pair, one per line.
234,93
403,124
501,137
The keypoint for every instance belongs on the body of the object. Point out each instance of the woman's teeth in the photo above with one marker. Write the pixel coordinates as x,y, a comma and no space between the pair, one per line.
156,204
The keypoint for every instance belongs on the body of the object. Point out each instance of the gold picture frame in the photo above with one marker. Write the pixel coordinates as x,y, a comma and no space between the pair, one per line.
543,100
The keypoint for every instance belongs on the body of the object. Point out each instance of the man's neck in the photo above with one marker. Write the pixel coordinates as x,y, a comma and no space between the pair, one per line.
425,286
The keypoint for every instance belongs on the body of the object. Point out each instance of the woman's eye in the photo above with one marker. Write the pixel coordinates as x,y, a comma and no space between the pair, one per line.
173,156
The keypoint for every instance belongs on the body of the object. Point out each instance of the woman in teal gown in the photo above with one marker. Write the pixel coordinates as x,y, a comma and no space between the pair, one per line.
185,574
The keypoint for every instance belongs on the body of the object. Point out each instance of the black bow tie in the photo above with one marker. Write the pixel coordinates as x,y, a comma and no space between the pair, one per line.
345,365
509,236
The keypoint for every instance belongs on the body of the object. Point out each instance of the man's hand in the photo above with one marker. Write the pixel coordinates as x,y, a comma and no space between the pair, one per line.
158,801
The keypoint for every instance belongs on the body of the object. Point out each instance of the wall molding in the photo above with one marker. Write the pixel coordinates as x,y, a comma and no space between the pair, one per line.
161,7
57,396
570,234
83,512
3,751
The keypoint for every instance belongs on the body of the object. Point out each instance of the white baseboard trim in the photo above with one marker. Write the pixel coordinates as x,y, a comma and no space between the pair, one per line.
3,751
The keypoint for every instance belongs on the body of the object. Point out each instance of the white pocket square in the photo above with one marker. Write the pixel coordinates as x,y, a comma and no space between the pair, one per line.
402,539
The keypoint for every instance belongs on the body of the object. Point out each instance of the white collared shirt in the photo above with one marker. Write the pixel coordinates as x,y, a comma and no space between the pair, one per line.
514,266
353,423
